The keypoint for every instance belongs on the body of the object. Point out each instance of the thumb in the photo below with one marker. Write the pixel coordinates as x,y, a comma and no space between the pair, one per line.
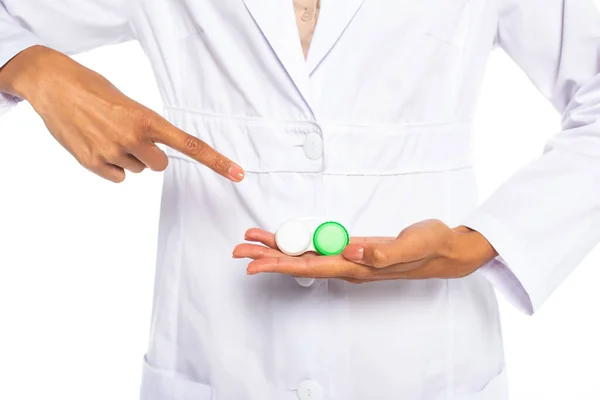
376,254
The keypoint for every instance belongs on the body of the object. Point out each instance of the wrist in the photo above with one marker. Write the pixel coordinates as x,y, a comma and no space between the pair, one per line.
22,74
472,248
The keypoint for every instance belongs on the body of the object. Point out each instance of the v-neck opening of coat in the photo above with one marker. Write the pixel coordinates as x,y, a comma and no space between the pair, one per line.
306,27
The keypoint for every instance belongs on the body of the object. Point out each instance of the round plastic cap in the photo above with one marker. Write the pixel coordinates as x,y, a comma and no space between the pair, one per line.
293,238
330,238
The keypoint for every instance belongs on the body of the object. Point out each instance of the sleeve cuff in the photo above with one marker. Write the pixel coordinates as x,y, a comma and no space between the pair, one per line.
511,273
7,52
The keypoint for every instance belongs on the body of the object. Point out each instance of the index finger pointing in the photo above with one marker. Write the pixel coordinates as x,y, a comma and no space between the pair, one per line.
169,135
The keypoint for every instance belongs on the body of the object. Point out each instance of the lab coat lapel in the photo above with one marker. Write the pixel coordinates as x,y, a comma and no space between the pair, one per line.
334,17
276,20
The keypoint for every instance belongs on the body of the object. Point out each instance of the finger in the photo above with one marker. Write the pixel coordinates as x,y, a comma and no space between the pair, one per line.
310,267
401,271
356,281
409,271
353,281
374,254
261,236
382,255
153,157
110,172
167,134
355,250
370,239
395,277
406,275
255,252
129,163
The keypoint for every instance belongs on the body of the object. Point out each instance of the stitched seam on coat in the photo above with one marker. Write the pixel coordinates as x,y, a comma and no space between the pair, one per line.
262,120
247,170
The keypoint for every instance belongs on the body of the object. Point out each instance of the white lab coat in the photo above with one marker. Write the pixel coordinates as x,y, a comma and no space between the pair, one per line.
373,131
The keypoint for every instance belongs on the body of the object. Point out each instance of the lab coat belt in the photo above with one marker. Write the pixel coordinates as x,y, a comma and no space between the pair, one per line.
262,145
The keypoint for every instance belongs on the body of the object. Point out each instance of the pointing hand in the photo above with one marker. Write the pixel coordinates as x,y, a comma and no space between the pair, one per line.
106,131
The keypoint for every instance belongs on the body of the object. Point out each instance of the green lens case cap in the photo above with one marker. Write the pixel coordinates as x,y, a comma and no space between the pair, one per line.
330,238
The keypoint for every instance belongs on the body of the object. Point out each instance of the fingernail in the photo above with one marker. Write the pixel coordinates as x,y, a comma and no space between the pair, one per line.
236,173
354,253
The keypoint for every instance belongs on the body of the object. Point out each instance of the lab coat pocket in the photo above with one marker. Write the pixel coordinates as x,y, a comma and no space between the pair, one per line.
449,21
165,385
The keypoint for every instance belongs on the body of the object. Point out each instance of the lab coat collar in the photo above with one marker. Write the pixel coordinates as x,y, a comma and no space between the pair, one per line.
334,18
276,20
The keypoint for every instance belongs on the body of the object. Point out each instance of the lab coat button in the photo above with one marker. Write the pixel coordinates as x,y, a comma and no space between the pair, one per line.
310,390
305,282
313,146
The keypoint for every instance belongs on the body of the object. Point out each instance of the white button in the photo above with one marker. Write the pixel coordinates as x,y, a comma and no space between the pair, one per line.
310,390
305,282
313,146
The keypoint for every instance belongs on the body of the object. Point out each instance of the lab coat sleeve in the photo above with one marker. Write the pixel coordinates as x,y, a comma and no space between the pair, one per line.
546,218
69,26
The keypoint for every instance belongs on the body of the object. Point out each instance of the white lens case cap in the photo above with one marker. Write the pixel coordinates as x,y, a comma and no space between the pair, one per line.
294,238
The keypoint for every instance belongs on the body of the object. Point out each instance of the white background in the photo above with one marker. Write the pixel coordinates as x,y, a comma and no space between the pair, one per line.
77,255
